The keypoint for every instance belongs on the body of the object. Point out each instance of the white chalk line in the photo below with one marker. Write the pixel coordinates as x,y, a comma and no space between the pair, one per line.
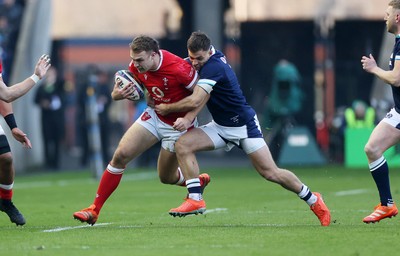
74,227
351,192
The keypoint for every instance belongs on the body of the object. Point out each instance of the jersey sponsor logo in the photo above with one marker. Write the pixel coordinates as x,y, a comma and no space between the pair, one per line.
157,92
235,119
160,95
223,59
145,116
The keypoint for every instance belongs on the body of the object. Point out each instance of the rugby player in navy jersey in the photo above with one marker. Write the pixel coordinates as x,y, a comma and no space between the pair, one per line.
234,123
386,134
7,172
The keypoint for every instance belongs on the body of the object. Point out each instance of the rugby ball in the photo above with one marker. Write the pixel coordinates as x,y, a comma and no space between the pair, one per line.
125,77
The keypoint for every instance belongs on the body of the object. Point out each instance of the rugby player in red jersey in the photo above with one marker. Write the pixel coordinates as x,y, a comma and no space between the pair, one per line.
167,79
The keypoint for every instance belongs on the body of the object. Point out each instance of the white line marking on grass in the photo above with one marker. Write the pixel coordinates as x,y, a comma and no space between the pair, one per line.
351,192
74,227
215,210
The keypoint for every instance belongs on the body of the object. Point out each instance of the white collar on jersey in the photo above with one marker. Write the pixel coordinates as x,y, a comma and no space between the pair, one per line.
212,50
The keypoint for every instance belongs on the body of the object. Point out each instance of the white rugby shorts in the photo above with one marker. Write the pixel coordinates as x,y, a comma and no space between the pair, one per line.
164,132
392,118
228,137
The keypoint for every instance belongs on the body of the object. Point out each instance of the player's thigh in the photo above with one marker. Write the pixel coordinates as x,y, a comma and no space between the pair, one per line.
383,137
135,141
194,140
262,160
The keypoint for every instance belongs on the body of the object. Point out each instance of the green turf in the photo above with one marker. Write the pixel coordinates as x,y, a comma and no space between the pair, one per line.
247,216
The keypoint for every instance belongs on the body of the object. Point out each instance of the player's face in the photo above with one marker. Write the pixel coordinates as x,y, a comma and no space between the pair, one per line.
144,61
199,58
391,16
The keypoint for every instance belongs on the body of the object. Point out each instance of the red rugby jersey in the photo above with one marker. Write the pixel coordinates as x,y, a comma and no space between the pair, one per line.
173,80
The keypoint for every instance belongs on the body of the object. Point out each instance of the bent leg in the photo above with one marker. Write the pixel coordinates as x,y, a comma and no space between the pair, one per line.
167,167
266,167
136,140
187,145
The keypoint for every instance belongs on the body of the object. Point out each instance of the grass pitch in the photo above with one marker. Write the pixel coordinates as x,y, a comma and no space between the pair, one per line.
245,216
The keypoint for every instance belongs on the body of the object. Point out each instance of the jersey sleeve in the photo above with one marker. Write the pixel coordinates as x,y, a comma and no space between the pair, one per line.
210,74
188,75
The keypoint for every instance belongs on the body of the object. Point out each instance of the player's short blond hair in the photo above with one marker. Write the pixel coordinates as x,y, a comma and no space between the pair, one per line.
395,4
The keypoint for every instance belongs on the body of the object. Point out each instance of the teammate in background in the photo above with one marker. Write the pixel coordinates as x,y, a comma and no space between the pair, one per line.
167,79
234,123
7,172
386,133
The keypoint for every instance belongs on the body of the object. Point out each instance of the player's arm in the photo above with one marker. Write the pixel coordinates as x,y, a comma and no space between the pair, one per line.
9,94
391,77
183,123
186,104
6,111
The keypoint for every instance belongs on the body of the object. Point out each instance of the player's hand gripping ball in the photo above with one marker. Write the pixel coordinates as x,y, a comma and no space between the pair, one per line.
123,78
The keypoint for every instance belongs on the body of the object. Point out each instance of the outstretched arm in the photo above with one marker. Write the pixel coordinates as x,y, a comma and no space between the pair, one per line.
391,77
9,94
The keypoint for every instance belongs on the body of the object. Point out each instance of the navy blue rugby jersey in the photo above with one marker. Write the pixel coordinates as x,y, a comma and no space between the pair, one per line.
227,104
395,57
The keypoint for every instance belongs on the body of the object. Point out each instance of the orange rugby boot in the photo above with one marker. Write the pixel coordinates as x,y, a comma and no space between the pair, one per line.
321,210
189,206
87,215
381,212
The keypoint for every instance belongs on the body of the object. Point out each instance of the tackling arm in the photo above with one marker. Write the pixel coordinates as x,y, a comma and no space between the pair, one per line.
192,102
183,123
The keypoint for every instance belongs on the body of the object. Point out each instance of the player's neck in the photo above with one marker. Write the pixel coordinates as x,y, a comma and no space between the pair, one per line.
156,60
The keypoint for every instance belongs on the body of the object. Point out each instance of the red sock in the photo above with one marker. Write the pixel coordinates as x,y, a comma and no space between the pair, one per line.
6,193
108,183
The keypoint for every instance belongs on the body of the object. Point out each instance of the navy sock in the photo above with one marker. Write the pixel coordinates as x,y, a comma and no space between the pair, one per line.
380,172
193,186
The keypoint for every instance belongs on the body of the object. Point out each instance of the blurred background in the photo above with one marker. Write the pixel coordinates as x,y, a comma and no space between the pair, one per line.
298,63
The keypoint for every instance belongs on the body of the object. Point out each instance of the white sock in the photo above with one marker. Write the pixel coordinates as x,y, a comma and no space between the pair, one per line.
307,196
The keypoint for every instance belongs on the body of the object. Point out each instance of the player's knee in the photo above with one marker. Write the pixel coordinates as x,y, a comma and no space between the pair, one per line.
121,158
6,159
269,174
182,147
164,179
371,151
